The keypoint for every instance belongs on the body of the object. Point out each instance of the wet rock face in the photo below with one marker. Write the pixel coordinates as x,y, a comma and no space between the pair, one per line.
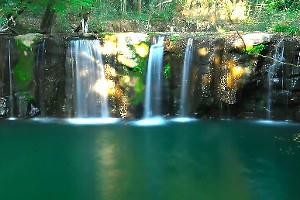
4,72
3,107
225,81
50,77
228,82
32,110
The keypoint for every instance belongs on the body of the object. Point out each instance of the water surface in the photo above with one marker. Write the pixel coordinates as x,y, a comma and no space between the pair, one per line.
206,160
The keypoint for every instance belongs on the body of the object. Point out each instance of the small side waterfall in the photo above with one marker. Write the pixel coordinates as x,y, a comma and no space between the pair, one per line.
185,82
90,83
40,61
11,92
278,59
84,26
152,107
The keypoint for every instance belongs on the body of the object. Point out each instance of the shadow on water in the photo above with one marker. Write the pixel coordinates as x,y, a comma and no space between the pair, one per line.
197,160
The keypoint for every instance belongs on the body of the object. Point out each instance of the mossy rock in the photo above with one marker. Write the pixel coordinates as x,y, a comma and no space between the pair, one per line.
29,39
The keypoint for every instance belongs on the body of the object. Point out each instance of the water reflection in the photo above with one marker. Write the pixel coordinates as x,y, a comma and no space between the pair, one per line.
92,121
211,161
151,121
207,161
184,119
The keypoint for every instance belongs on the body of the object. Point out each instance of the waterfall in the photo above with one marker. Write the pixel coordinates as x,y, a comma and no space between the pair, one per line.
40,62
185,82
278,59
11,92
90,83
84,26
152,104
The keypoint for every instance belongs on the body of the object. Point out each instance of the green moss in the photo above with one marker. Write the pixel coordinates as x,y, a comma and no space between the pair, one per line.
167,71
138,72
139,85
28,40
103,34
3,21
152,34
255,49
175,37
142,63
139,92
23,71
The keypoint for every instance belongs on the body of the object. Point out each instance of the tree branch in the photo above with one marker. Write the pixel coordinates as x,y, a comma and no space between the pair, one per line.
162,3
235,29
284,63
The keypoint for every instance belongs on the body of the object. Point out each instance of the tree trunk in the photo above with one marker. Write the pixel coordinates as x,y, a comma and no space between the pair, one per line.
48,18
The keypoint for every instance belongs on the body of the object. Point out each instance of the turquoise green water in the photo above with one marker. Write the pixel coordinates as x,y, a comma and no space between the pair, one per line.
191,161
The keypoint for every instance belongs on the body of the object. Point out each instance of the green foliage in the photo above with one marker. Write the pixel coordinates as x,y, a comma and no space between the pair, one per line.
167,71
273,15
138,68
282,5
139,73
174,37
3,21
284,28
23,72
73,6
255,49
142,62
100,13
286,22
139,92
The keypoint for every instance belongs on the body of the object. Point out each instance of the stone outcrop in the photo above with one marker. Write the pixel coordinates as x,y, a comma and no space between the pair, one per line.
252,39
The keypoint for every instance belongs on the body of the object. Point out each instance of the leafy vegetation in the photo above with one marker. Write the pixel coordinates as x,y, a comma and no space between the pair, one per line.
255,49
151,15
167,71
278,16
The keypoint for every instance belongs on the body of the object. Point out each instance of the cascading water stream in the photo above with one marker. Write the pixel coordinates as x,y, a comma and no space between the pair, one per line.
278,59
185,82
84,26
90,83
40,60
295,71
298,60
11,92
152,107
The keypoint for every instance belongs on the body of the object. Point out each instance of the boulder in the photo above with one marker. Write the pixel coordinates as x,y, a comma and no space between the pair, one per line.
252,39
29,39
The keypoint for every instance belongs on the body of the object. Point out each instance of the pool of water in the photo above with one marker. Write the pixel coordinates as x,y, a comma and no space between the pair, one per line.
198,160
